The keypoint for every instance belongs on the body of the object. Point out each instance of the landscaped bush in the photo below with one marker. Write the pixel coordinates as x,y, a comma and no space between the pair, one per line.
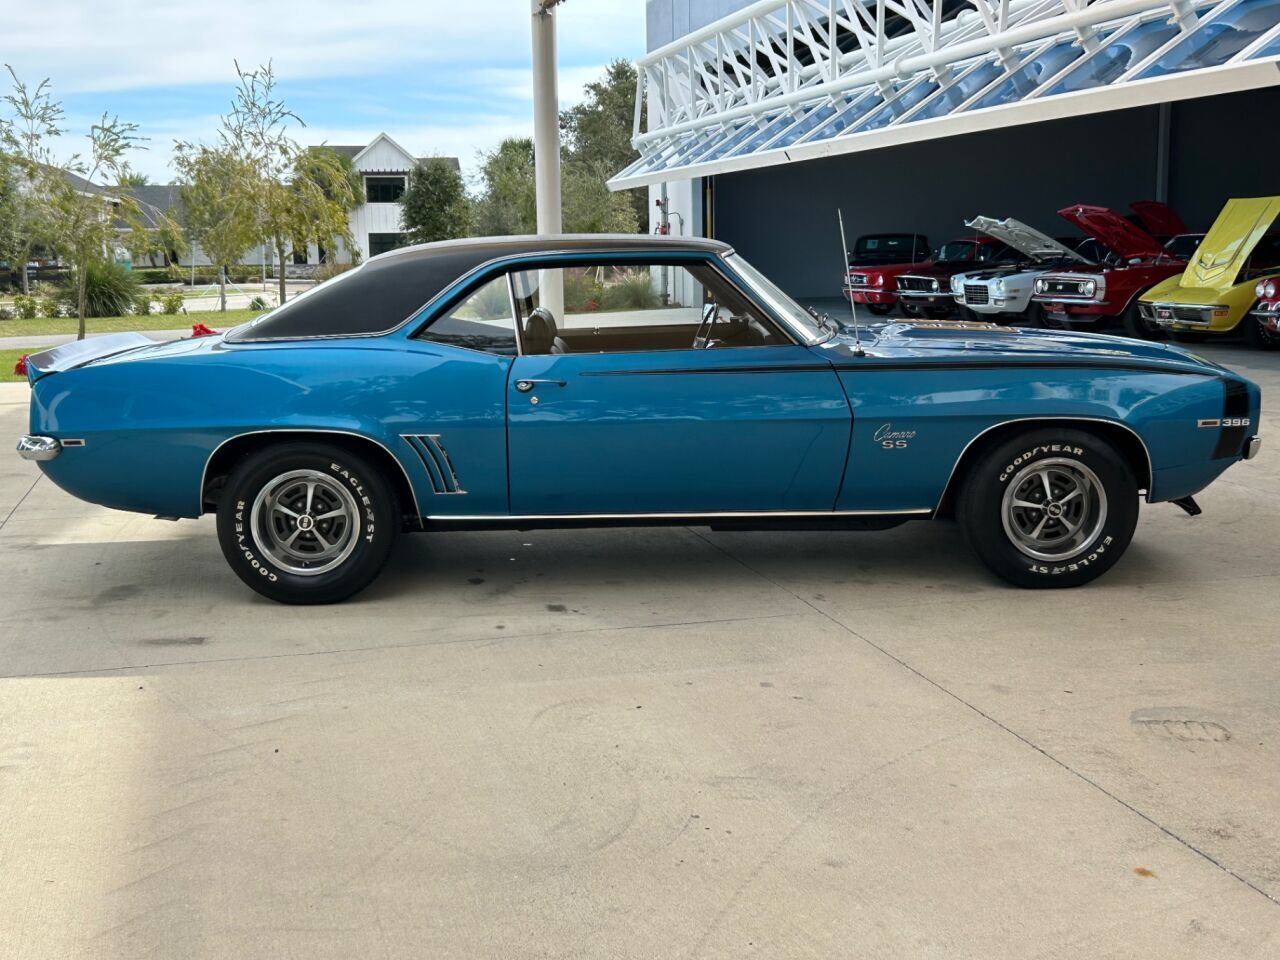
6,313
329,270
51,306
142,304
630,290
582,292
259,303
25,307
111,290
171,303
158,274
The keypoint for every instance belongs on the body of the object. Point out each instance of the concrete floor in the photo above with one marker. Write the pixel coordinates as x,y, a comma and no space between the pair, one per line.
663,743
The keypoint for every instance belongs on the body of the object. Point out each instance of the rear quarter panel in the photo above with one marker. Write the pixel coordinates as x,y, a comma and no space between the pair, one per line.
150,425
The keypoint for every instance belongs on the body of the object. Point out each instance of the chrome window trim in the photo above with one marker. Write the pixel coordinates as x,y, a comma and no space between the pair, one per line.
1151,470
204,473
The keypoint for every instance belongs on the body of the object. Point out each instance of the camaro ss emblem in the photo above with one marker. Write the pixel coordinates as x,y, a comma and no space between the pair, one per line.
891,439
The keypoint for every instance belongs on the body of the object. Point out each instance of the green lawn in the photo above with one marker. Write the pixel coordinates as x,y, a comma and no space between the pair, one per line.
7,359
154,321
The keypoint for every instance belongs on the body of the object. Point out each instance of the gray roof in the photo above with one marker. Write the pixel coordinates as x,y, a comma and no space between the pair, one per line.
352,150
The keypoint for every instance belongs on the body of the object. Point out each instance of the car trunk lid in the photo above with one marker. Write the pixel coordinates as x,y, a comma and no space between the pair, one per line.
79,352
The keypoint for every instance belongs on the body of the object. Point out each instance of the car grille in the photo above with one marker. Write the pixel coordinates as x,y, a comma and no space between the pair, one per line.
916,284
976,293
1199,315
1062,288
857,279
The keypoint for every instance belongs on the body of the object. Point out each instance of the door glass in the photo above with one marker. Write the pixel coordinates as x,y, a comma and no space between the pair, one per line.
482,321
628,308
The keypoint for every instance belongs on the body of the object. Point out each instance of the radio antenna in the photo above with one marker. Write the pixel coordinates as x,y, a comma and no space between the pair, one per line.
853,309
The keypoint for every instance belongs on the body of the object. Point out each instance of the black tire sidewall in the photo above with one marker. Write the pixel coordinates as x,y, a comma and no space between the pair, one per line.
254,566
981,499
1258,336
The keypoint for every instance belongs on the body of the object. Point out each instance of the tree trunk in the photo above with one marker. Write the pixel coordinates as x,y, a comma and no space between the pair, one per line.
24,256
280,258
82,297
222,289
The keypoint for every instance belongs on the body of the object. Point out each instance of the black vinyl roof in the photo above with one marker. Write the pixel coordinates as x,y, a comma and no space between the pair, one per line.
386,290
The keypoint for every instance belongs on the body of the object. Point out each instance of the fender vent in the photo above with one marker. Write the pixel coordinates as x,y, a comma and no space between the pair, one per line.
435,460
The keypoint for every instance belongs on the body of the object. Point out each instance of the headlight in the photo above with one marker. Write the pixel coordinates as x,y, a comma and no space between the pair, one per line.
877,280
1269,288
956,284
1089,288
937,285
999,285
1042,286
1260,289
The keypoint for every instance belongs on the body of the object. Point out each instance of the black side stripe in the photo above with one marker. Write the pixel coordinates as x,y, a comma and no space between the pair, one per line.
896,367
1235,406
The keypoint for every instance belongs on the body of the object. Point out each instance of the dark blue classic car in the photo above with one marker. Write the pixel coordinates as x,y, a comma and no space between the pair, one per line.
562,381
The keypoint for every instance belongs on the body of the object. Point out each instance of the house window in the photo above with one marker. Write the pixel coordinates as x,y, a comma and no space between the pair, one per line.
383,189
300,256
382,242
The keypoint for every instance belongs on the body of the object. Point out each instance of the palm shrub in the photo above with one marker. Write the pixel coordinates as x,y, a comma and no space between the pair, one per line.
110,289
630,290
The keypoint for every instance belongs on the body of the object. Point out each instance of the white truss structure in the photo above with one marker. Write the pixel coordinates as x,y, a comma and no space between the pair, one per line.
787,80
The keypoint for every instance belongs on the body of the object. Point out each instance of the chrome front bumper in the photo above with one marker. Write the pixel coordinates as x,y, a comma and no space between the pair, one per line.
38,448
1252,448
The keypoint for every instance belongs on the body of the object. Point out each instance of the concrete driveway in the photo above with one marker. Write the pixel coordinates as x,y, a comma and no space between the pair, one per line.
662,743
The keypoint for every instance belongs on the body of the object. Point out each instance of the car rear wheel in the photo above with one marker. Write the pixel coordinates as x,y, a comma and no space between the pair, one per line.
306,523
1049,508
1259,336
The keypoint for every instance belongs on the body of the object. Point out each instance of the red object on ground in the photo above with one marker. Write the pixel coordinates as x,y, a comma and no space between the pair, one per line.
20,368
200,330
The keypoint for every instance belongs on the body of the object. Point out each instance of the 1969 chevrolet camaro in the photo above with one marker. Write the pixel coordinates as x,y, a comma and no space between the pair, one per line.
578,381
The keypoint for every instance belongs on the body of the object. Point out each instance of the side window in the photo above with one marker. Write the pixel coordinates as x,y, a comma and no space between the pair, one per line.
481,321
631,308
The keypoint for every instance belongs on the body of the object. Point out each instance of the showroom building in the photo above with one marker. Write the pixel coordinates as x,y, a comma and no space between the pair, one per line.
762,118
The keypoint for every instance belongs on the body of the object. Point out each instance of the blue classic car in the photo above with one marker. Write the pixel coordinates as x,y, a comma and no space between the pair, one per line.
578,381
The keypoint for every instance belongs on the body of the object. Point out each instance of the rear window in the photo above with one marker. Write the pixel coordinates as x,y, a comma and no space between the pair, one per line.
374,297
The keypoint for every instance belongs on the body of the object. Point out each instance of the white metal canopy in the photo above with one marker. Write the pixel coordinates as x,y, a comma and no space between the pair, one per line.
788,80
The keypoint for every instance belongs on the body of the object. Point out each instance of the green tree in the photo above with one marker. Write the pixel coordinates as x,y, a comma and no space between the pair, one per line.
435,206
217,205
84,220
597,132
132,178
508,198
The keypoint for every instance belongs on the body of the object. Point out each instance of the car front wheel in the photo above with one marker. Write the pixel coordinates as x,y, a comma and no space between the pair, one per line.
1049,508
1259,335
306,523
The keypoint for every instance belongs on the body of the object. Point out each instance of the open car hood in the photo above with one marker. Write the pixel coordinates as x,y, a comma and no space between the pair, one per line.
1026,240
1225,248
1158,218
1128,241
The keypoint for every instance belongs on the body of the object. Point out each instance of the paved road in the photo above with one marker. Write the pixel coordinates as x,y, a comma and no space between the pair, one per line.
662,743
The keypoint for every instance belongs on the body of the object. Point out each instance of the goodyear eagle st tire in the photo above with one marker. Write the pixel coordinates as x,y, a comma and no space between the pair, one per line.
1049,508
306,523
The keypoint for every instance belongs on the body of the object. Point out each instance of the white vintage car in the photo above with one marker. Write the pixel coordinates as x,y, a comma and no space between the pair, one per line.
1003,293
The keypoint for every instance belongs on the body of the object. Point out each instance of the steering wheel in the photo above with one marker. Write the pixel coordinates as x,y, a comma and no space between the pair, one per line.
702,336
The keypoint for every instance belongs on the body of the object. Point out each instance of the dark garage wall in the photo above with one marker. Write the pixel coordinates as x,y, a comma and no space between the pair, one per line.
783,218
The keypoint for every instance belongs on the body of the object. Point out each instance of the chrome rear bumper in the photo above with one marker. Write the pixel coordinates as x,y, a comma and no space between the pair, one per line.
38,448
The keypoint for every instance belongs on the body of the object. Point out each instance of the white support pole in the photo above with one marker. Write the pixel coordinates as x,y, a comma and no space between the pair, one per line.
546,145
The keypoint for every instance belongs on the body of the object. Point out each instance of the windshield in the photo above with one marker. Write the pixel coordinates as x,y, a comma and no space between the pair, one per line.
955,250
795,316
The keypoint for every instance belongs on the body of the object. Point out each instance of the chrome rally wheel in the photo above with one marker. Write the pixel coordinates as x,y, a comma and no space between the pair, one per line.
1054,509
305,522
1049,507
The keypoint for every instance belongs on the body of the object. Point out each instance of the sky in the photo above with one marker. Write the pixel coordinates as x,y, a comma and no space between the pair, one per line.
447,77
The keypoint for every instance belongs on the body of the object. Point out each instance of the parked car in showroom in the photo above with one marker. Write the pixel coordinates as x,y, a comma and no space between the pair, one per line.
1004,292
518,383
1267,312
873,263
1107,293
1217,292
925,290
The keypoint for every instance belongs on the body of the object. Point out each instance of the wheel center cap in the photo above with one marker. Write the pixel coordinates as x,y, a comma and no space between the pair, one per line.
1053,509
306,522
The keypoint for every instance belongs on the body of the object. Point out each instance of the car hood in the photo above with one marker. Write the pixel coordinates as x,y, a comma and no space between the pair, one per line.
1125,239
983,343
1224,249
1159,218
1026,240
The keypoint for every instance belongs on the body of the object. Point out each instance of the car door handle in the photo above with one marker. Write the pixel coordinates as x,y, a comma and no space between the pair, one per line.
524,386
